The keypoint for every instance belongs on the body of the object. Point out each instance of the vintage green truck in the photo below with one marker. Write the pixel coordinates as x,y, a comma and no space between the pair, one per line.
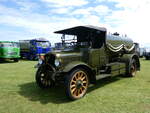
92,54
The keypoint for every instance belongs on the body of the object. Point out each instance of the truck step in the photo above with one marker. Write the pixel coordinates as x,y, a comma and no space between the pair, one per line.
101,76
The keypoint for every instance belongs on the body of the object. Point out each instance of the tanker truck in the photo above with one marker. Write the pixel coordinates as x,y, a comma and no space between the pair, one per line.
32,49
95,54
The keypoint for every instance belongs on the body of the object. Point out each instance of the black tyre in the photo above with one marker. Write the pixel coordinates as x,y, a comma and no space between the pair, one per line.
43,78
133,68
147,58
16,59
77,82
31,57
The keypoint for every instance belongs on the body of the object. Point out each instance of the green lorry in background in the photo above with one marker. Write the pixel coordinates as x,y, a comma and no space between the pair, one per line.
9,50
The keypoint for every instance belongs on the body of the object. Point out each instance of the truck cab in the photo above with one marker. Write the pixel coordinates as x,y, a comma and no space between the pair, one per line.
92,54
9,50
32,49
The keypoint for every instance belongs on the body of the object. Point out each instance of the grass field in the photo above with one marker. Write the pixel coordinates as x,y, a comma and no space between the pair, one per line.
20,94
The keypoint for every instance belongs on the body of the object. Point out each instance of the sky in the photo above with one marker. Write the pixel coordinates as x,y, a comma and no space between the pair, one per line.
28,19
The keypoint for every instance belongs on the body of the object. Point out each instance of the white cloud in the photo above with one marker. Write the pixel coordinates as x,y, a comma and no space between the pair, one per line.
100,0
131,4
5,10
91,20
81,12
101,9
133,20
64,3
34,24
27,6
60,10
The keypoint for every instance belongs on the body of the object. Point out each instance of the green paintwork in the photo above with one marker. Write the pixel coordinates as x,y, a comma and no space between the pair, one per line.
74,64
117,68
127,59
10,52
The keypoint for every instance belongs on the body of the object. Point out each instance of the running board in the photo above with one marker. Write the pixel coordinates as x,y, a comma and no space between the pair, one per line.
101,76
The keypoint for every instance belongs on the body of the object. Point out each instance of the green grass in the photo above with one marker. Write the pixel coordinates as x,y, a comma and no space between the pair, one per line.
20,94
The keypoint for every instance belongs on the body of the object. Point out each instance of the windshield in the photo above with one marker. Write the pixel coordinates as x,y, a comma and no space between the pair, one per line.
71,41
43,44
14,44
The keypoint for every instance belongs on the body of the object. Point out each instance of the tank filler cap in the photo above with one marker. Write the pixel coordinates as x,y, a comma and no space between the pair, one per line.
116,34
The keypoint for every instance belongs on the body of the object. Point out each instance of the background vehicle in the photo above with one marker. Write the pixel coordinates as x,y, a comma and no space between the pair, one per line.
142,51
31,49
137,49
94,54
147,53
9,50
58,46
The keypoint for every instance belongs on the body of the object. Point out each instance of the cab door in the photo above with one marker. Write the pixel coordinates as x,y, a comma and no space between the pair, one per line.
98,57
94,57
97,54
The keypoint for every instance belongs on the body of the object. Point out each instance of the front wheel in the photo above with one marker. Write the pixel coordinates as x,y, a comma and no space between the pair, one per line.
16,59
43,78
147,58
77,84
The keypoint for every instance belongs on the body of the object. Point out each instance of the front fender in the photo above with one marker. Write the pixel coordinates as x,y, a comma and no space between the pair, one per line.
74,64
79,64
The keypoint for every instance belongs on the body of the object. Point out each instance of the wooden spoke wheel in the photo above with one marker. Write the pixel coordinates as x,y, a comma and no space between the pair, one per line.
77,84
43,78
133,68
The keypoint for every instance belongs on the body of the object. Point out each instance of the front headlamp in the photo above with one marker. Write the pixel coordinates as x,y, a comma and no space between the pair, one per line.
40,61
57,62
41,57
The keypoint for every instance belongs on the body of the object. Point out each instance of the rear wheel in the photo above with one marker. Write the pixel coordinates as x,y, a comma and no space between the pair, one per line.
32,57
133,69
43,78
77,84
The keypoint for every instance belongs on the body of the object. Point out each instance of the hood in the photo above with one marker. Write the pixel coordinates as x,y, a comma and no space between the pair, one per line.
63,57
62,53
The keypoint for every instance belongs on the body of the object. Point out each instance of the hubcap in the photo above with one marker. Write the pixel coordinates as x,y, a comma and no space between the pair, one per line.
45,80
133,70
79,84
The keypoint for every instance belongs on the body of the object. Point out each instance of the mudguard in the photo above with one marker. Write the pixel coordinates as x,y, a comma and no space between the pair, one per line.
74,64
127,58
79,64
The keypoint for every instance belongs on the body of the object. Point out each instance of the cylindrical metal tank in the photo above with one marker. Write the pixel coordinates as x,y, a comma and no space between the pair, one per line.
116,43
